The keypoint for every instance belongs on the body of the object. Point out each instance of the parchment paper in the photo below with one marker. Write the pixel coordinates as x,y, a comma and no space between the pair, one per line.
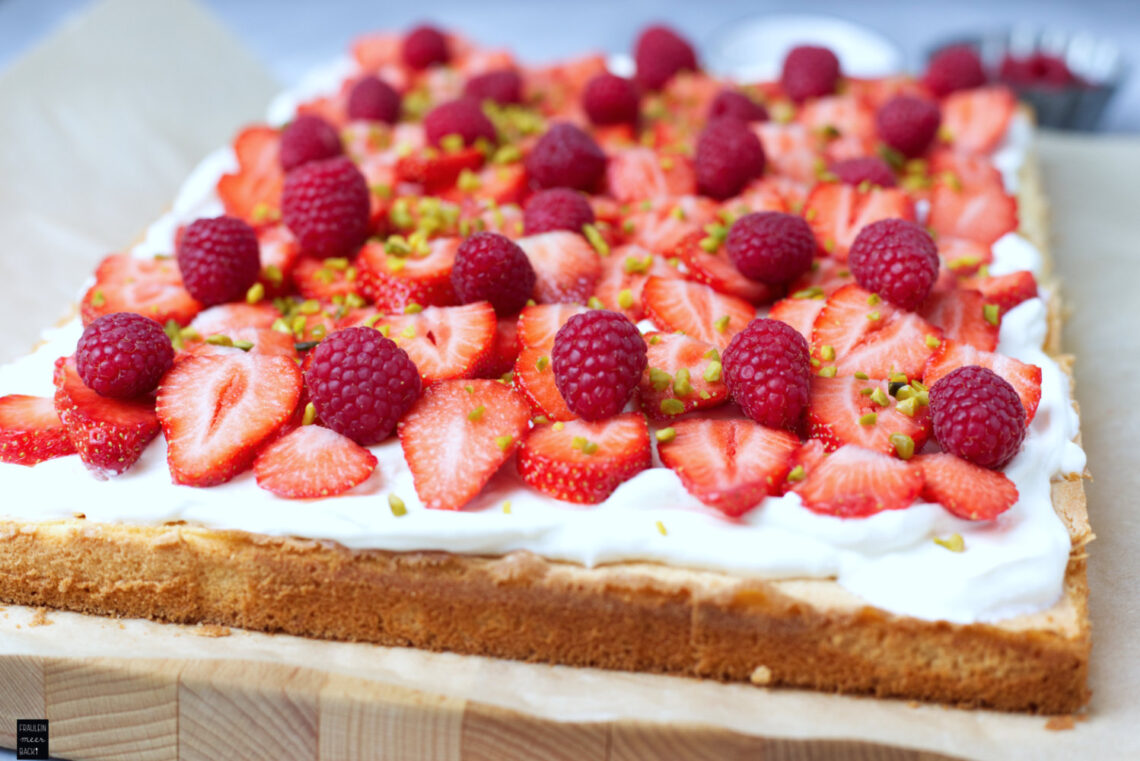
95,144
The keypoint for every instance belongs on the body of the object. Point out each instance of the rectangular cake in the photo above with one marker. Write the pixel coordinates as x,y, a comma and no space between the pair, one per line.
749,381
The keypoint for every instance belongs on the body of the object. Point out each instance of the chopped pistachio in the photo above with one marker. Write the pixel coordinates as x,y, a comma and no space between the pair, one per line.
665,435
869,419
677,213
659,379
558,425
595,303
542,363
413,308
476,414
796,473
873,315
932,341
654,340
281,326
255,293
721,323
397,506
219,340
540,420
672,406
310,415
507,507
628,226
954,543
827,372
861,375
243,345
992,313
590,447
309,306
815,362
625,298
661,529
409,331
637,264
273,274
879,397
814,292
827,352
596,239
353,300
713,371
907,406
504,442
451,143
904,445
385,330
905,392
507,377
98,299
507,154
468,181
873,299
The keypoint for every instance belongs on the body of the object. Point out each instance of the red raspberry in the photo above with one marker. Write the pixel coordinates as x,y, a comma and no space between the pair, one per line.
219,259
809,72
598,358
870,169
556,209
978,416
955,68
737,104
908,124
123,355
491,267
767,367
424,46
374,100
463,117
729,156
308,138
361,384
609,99
770,246
896,259
327,207
566,157
660,53
503,86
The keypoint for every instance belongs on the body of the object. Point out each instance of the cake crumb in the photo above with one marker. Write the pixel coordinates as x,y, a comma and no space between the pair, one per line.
762,675
913,704
40,618
211,630
1060,723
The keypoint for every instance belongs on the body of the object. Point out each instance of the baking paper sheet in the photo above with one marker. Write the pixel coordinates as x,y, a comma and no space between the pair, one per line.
100,125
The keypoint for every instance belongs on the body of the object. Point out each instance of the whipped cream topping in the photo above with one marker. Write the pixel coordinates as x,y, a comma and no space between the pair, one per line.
1011,566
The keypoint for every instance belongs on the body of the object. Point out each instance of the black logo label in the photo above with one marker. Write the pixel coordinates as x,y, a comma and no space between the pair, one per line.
31,738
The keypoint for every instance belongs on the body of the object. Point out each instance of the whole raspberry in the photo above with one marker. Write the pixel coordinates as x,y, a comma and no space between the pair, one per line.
219,259
659,54
809,72
556,209
327,207
957,67
908,124
308,138
374,100
737,104
729,156
504,86
598,358
566,157
361,384
424,46
978,416
610,99
767,368
896,259
491,267
770,246
123,355
463,117
869,169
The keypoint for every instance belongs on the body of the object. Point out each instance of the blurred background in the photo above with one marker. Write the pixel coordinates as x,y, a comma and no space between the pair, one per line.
292,37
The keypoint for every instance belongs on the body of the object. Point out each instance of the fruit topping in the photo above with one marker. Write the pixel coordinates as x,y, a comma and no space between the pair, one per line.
311,462
853,482
326,205
308,138
491,267
977,416
123,355
219,259
598,358
728,157
768,372
31,431
770,246
896,259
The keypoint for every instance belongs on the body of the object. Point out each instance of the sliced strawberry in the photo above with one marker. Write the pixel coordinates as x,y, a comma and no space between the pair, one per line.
962,256
846,318
837,212
696,310
662,225
1007,291
566,265
504,350
839,115
585,461
800,313
715,269
394,282
224,319
878,90
327,279
682,369
965,489
254,191
825,277
375,50
458,435
253,340
437,170
216,411
311,462
982,214
503,184
538,325
765,194
109,434
791,150
633,174
729,464
976,120
1025,379
961,315
856,483
31,430
963,169
900,344
484,215
150,287
839,413
444,342
624,273
803,461
279,251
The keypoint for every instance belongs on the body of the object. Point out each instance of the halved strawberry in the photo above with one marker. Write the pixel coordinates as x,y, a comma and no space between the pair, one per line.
252,340
458,435
662,225
279,251
764,194
800,313
444,342
982,213
840,115
965,489
216,411
962,256
254,191
437,170
791,150
854,482
109,434
311,462
1025,379
504,350
633,174
976,120
715,269
696,310
825,277
326,279
501,183
585,461
537,325
862,412
150,287
961,315
684,370
846,318
1007,291
31,430
375,50
224,319
964,169
837,212
534,377
624,273
878,90
394,282
803,461
566,265
729,464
